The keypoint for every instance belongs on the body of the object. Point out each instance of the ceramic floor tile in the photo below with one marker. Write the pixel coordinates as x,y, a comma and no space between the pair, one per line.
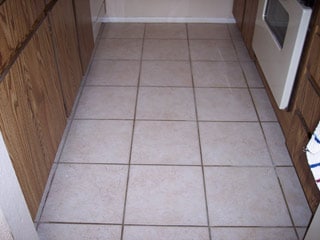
225,105
166,73
156,49
166,30
98,141
253,233
214,50
234,31
301,232
208,31
107,103
252,75
166,143
165,195
114,73
246,196
242,51
297,202
218,74
123,30
78,232
233,144
116,49
165,233
166,104
263,105
86,193
276,143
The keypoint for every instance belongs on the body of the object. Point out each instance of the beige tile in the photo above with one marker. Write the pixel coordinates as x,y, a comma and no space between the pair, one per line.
166,73
165,233
166,143
208,31
165,49
114,73
166,31
245,196
253,233
218,74
166,195
166,104
276,143
296,200
116,49
251,74
225,105
263,105
107,103
123,30
78,232
233,144
234,31
301,232
86,193
241,49
214,50
98,141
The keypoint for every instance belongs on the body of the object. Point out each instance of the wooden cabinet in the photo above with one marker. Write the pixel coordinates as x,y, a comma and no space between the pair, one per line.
17,17
245,12
67,50
32,116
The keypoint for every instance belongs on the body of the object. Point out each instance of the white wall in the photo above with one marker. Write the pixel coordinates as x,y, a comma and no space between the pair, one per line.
167,10
15,215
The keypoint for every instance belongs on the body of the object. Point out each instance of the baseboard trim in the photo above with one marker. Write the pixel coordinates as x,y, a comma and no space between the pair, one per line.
166,20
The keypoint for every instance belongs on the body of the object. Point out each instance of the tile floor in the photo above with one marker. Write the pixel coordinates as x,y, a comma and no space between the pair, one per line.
173,137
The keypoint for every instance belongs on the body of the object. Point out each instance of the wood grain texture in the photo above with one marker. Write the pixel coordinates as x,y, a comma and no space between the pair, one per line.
313,64
67,51
238,11
32,116
17,18
84,31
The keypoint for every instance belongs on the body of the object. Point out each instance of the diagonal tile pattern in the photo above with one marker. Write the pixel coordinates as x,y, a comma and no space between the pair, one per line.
173,137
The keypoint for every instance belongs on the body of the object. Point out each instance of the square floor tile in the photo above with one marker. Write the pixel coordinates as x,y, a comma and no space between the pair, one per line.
296,200
225,104
218,74
245,196
253,233
233,144
252,75
165,49
166,143
208,31
167,195
86,193
276,143
263,105
114,73
166,30
117,49
78,232
214,50
166,73
166,104
301,232
107,103
234,31
98,141
123,30
165,233
242,51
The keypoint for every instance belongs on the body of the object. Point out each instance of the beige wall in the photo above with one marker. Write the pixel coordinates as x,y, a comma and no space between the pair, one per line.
197,9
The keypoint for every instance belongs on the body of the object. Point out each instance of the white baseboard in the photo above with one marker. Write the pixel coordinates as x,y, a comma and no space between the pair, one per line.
166,20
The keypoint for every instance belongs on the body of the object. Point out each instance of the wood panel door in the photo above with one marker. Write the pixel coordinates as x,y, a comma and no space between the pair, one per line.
32,116
67,50
17,18
84,30
238,11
